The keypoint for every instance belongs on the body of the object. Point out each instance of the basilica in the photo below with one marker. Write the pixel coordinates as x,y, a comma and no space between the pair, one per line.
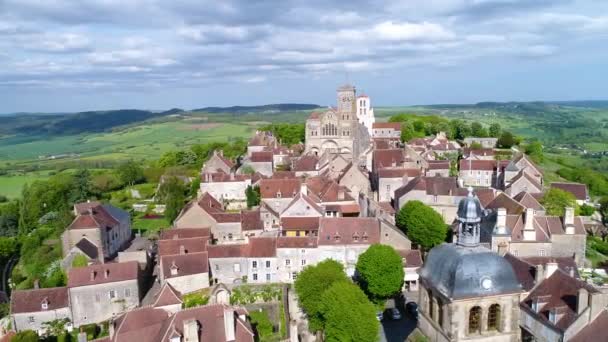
344,130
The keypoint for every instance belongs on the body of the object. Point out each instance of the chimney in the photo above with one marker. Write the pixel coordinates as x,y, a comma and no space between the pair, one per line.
569,220
304,189
550,268
93,275
582,300
501,218
340,194
229,327
539,274
191,328
529,232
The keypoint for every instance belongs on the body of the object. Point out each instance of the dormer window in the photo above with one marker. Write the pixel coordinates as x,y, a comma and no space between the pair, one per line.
356,237
278,194
337,237
174,269
364,237
45,304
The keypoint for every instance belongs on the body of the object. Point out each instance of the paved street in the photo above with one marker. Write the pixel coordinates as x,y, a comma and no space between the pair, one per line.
398,330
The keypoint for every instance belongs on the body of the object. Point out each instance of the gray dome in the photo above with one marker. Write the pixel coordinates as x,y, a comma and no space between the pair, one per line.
469,209
464,272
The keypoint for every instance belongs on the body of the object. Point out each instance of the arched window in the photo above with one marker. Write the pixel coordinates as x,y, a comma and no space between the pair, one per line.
475,320
430,303
330,129
494,317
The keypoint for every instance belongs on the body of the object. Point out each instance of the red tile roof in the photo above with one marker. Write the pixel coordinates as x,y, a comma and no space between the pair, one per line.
189,245
440,186
300,223
398,173
387,158
477,165
349,231
306,163
283,174
577,189
287,187
183,233
261,157
258,247
528,201
251,220
482,152
187,264
525,268
412,257
103,273
438,164
167,296
387,125
92,216
297,242
23,301
503,200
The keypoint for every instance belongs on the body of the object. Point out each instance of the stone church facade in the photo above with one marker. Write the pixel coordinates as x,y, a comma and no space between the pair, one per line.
338,130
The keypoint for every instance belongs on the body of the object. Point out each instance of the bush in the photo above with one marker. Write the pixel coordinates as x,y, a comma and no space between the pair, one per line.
586,210
261,323
80,261
25,336
195,299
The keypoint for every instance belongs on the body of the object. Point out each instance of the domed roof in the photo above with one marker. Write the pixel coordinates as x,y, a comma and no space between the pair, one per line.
464,272
469,209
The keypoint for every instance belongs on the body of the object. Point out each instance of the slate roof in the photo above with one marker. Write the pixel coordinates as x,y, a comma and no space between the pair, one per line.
560,292
88,248
24,301
187,264
349,231
577,189
103,273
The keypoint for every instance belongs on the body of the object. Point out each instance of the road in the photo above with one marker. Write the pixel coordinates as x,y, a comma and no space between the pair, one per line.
6,273
396,330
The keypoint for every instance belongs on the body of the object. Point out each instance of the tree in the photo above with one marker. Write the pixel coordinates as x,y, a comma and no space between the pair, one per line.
130,173
380,271
310,285
407,133
261,323
82,187
556,200
535,151
195,186
494,130
506,140
253,196
604,209
8,246
586,210
55,327
348,314
173,193
25,336
477,130
422,224
460,129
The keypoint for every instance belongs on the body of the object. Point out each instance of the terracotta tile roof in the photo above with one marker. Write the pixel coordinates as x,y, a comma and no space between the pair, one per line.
390,125
306,163
297,242
503,200
103,273
438,164
226,251
517,225
387,207
95,216
251,220
283,174
187,264
261,157
347,208
84,207
528,201
412,257
477,165
555,225
258,247
485,195
184,233
564,263
222,177
167,296
387,158
381,144
398,173
326,189
560,292
140,324
287,187
23,301
577,189
594,330
349,231
523,174
482,152
440,186
189,245
306,223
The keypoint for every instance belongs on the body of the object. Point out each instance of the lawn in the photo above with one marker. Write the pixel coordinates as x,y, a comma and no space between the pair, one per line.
11,185
149,226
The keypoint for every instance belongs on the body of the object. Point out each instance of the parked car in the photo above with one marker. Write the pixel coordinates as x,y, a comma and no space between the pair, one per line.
379,315
395,314
412,309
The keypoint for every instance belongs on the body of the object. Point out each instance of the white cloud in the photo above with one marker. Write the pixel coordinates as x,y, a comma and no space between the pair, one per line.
389,30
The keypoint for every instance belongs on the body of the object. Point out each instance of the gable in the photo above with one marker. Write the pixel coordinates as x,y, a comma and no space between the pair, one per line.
301,207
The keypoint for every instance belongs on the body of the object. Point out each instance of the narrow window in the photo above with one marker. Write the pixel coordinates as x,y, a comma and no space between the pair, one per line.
494,317
475,320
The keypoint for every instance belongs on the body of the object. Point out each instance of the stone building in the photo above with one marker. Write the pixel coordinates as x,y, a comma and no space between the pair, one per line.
338,130
387,130
186,272
100,292
99,231
365,112
30,309
217,162
484,142
467,292
479,173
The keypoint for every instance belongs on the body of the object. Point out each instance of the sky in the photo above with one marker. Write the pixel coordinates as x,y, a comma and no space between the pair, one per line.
62,56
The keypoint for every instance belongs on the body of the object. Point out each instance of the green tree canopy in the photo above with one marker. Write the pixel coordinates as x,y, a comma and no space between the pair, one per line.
477,130
348,314
586,210
173,193
380,271
535,151
506,140
82,189
253,196
604,209
556,200
310,285
25,336
130,173
494,130
422,224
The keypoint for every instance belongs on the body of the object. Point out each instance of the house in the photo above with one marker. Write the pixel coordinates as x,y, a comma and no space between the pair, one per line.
217,162
355,179
168,299
186,272
485,142
523,182
412,261
216,322
99,232
227,188
579,191
30,309
260,161
306,165
438,145
100,292
480,173
508,170
253,262
440,193
478,153
388,130
260,141
437,168
391,179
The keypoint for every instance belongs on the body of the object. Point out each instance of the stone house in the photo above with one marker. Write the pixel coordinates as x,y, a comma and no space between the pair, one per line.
412,261
218,163
262,162
440,193
478,153
438,145
437,168
508,170
484,142
226,188
30,309
579,191
293,254
99,231
479,173
355,179
260,141
391,179
306,165
386,130
523,182
185,272
100,292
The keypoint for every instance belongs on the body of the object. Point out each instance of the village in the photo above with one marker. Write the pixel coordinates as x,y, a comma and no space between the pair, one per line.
507,270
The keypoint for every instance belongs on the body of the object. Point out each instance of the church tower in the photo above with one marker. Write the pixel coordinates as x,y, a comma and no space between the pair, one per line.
469,220
347,102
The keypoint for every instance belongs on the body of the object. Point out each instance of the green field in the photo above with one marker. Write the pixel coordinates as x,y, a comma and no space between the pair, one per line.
11,186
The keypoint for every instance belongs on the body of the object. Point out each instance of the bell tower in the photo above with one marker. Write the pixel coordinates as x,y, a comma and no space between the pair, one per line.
347,102
469,220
